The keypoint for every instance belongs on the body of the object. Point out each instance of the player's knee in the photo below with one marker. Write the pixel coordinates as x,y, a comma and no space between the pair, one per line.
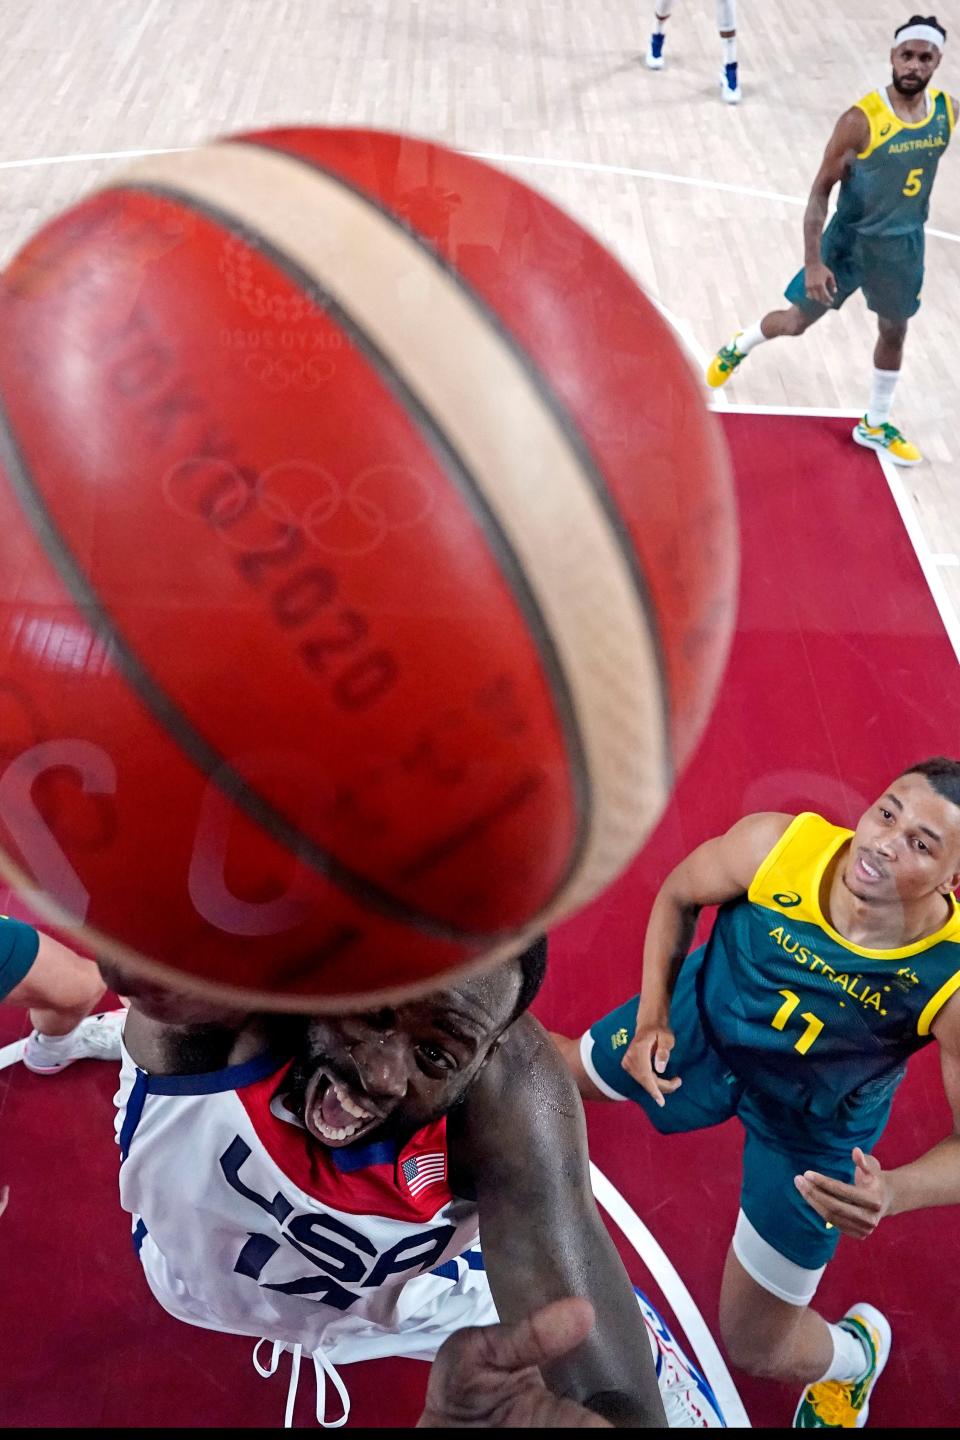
753,1349
893,332
797,321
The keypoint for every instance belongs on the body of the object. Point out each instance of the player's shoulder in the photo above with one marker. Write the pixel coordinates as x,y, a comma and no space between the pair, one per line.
755,835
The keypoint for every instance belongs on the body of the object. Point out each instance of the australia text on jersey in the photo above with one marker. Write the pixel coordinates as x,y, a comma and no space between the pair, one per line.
867,996
931,143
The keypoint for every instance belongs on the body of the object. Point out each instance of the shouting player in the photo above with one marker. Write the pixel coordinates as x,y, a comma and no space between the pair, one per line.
884,154
320,1183
834,956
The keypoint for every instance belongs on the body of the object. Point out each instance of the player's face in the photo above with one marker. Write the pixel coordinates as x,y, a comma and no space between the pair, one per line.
396,1069
906,846
913,64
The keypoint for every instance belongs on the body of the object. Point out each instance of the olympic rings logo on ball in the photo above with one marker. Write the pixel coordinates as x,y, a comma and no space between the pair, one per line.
349,519
281,372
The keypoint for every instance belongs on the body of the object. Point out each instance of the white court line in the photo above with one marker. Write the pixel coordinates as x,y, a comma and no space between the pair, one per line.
676,1294
927,561
817,411
667,177
695,350
93,155
10,1054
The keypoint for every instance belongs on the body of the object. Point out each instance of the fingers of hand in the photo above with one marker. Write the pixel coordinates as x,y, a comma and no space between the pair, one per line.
665,1043
541,1337
867,1165
851,1210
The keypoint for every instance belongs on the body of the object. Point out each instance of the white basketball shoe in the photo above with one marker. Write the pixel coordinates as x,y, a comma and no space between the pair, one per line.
688,1401
96,1038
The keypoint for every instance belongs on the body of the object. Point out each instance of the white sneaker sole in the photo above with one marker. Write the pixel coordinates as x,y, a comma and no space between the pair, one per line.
654,62
881,449
880,1323
46,1069
728,96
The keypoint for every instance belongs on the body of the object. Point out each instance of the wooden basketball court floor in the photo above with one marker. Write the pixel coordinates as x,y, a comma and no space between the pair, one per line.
703,204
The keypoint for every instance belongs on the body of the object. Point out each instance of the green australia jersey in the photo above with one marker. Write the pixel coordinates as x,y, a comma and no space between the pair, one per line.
887,189
805,1016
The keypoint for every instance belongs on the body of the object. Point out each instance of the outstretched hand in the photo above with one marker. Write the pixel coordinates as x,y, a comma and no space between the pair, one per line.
489,1376
855,1209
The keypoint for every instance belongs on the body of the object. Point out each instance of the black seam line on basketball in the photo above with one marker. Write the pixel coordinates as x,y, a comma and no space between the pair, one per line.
180,729
457,470
551,400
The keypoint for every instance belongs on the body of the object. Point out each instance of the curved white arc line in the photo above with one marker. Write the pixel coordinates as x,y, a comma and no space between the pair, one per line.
941,598
10,1054
91,155
677,1295
595,165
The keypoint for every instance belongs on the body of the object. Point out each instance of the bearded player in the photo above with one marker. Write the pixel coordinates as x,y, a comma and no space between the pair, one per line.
320,1184
835,955
884,154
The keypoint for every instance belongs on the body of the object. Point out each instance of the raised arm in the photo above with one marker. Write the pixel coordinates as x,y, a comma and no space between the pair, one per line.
519,1142
851,135
717,871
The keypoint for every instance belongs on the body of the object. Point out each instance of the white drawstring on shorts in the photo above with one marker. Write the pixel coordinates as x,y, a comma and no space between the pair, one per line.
323,1368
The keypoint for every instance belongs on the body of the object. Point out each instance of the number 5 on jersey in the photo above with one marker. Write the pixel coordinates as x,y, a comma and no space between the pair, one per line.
814,1026
914,182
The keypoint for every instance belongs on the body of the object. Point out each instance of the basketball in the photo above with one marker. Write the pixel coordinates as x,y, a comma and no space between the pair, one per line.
368,563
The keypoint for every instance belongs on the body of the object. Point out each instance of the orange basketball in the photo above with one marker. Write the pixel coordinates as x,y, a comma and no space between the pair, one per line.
367,566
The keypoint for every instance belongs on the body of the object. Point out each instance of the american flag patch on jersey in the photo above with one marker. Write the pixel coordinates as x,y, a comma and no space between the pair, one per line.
421,1171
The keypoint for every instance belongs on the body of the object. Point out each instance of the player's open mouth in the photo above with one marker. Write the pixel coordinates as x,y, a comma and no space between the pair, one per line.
336,1113
868,869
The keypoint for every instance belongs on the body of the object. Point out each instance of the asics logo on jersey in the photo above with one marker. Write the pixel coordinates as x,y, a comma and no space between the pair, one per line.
339,1255
885,130
787,898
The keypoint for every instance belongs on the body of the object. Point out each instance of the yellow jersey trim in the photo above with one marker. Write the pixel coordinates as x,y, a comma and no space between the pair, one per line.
936,1003
879,112
810,868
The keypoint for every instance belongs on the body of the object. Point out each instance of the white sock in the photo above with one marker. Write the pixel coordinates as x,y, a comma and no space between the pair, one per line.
881,396
729,50
750,338
54,1045
850,1359
661,15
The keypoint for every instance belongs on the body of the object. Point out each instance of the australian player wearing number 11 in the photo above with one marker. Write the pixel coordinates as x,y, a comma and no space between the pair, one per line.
835,954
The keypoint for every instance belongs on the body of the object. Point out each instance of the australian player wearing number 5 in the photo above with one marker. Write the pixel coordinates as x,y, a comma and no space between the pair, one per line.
833,957
883,153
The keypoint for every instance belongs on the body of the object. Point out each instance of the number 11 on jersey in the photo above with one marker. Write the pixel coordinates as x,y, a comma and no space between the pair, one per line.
779,1021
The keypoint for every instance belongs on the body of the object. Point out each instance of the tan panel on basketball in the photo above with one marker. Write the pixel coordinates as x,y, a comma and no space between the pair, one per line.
450,355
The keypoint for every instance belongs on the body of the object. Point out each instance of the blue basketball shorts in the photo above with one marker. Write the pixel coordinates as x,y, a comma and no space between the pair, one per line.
888,269
19,944
780,1143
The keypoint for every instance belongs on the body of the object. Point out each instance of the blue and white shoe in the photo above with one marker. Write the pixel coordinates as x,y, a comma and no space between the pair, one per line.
654,55
688,1401
730,85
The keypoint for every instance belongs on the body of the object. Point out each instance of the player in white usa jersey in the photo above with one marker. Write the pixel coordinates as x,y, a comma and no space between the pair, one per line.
320,1184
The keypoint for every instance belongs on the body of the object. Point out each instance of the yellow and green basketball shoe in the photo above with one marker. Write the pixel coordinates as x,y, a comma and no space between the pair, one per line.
724,363
845,1404
886,438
